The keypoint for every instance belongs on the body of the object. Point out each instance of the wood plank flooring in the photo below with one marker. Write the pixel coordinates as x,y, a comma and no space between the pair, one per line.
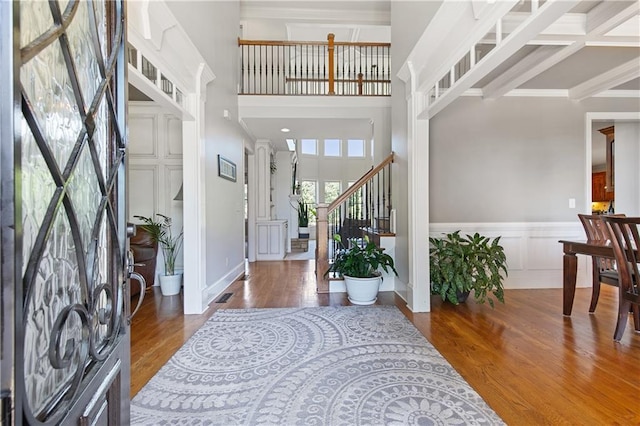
531,364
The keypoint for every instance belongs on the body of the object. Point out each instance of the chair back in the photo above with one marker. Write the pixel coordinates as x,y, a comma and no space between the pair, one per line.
596,230
625,240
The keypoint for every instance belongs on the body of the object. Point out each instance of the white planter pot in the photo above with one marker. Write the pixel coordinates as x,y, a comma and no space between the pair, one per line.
170,284
362,291
303,232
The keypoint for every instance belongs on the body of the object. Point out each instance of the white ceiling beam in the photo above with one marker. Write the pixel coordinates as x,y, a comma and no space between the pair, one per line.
448,16
608,80
531,27
451,44
609,41
538,61
609,14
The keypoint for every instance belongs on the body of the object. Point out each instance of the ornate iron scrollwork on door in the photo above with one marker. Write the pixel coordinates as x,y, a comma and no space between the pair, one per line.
72,150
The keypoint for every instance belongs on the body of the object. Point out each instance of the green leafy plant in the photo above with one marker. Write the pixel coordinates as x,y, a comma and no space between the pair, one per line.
303,214
460,265
361,262
161,232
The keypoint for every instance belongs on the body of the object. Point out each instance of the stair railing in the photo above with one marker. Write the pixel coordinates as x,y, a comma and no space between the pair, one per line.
269,67
364,205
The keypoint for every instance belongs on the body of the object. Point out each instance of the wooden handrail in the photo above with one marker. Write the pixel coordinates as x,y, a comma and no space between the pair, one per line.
359,183
324,80
243,42
362,43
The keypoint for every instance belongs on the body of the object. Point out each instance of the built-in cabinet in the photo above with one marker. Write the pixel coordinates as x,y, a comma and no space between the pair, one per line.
272,239
599,188
271,234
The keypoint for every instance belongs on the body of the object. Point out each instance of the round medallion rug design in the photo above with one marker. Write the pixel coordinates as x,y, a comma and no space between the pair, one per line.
365,365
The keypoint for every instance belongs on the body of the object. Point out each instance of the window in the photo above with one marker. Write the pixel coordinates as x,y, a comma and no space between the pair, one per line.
309,146
309,191
331,191
355,148
309,196
332,148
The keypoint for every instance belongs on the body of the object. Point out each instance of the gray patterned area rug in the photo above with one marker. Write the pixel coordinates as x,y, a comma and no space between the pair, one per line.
356,365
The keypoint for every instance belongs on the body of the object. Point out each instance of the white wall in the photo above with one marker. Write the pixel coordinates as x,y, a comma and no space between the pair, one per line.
627,172
213,28
511,159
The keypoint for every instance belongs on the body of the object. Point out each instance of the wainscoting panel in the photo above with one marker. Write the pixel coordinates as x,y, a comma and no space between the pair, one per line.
173,132
534,255
143,136
143,190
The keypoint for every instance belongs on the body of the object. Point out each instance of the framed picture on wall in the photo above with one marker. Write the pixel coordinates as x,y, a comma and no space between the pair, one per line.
226,168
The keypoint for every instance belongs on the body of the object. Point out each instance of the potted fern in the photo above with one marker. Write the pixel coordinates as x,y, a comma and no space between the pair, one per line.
360,266
170,281
460,265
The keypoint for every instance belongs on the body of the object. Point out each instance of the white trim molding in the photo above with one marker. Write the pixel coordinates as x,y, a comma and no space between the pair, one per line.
534,255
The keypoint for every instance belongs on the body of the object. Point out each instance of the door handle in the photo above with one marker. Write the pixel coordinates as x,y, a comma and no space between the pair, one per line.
131,229
131,275
143,289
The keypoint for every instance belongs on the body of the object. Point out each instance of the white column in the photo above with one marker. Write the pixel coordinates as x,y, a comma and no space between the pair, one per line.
418,287
194,194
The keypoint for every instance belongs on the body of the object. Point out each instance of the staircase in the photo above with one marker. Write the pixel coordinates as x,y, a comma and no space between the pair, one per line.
365,208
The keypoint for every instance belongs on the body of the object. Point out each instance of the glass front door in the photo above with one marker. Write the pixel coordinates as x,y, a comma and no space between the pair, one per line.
67,235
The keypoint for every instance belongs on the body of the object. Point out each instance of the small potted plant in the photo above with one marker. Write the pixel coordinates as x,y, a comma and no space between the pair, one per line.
459,265
303,220
360,267
170,244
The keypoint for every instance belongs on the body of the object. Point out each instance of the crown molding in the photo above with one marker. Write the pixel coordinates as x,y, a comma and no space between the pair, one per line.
351,16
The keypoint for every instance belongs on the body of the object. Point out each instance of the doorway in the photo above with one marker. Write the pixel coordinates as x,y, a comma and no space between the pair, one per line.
627,180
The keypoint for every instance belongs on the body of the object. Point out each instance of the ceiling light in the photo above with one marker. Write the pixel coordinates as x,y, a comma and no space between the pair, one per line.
285,130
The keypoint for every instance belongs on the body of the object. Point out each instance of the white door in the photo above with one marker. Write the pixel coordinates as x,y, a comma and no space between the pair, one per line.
65,335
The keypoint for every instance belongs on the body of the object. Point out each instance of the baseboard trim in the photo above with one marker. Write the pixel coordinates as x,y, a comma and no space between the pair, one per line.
211,292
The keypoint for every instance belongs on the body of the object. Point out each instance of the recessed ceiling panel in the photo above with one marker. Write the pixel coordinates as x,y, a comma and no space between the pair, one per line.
585,64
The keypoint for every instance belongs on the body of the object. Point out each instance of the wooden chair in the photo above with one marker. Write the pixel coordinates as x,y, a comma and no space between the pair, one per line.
625,240
604,270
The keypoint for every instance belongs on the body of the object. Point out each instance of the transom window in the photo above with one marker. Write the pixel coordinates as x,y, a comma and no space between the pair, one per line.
309,146
332,148
355,148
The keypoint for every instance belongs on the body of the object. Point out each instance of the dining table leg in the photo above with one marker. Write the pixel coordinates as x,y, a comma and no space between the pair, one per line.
570,271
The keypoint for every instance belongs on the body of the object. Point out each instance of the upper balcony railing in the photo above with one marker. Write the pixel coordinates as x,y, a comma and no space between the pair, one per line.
314,68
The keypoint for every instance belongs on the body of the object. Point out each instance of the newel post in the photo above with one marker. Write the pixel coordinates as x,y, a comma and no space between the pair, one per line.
331,54
322,248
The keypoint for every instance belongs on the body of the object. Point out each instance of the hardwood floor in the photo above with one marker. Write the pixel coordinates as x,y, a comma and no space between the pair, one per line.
531,364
